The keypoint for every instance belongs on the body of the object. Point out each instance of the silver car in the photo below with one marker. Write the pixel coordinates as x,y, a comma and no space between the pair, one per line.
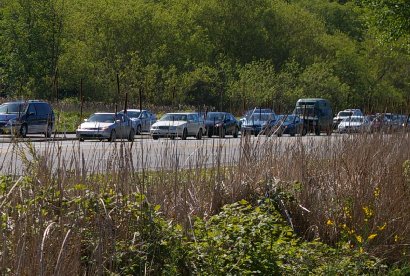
106,126
178,125
142,119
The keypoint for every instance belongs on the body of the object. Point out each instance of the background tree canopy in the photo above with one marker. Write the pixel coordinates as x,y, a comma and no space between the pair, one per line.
231,54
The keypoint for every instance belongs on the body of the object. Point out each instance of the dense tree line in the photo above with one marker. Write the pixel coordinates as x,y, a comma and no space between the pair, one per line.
230,54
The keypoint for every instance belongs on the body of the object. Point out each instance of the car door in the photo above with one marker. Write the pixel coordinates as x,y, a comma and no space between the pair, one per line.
42,116
145,124
31,119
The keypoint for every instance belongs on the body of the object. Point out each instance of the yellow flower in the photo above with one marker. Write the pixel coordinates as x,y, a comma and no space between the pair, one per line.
376,192
359,238
371,236
367,211
361,249
381,228
396,238
329,222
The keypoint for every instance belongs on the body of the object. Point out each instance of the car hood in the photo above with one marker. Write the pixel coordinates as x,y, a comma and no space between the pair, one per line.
169,123
95,125
6,117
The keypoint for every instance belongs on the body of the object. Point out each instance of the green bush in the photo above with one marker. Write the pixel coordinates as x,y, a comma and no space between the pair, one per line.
245,240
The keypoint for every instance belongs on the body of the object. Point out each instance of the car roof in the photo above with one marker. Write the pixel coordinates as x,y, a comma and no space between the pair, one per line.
104,113
135,110
181,113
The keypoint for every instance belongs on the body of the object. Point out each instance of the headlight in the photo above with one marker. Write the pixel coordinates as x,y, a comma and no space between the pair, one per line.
154,127
105,128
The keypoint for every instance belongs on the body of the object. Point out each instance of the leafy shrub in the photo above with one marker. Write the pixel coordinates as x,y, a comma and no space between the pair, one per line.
245,240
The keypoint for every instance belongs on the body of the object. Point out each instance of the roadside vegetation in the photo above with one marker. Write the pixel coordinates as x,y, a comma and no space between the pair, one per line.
335,206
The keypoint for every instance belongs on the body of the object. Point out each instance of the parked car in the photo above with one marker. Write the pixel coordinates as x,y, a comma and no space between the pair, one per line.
142,119
221,124
345,114
251,111
27,117
178,125
106,126
259,122
292,125
354,124
316,113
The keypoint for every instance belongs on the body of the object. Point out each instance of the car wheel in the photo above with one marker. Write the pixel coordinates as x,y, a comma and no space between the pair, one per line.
209,132
317,131
49,131
279,134
199,135
304,131
155,137
138,132
131,136
81,139
184,134
236,133
23,131
292,134
329,131
113,136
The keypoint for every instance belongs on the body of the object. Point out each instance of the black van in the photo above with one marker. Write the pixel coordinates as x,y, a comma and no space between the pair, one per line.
26,117
317,115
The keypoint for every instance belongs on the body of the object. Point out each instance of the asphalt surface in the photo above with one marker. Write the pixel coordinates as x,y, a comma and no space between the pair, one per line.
64,151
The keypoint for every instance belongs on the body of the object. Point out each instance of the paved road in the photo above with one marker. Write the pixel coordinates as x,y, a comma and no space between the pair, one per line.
65,152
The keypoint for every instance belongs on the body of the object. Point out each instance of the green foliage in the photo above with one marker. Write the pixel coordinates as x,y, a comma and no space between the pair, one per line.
250,240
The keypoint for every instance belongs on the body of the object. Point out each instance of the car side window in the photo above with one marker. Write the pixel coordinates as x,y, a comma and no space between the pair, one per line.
31,109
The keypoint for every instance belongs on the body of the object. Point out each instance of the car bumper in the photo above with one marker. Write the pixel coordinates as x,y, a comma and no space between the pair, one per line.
166,132
93,134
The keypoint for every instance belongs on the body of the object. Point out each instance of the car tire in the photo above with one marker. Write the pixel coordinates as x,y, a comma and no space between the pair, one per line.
113,136
236,133
317,131
304,131
184,134
155,137
199,135
139,130
23,131
49,131
81,139
131,136
209,133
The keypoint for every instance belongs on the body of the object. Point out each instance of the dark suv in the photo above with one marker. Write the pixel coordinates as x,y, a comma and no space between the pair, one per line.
25,117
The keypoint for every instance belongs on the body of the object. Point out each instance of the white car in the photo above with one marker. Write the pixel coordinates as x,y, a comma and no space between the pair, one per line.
178,125
346,114
354,124
142,119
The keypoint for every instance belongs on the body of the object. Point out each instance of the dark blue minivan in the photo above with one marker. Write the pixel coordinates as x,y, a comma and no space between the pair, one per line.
27,117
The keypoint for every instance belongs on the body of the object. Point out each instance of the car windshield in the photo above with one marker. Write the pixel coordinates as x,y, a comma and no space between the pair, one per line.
11,108
261,117
345,113
133,114
102,118
174,117
291,118
215,116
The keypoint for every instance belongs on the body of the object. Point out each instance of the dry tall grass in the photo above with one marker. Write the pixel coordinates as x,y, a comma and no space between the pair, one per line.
352,188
